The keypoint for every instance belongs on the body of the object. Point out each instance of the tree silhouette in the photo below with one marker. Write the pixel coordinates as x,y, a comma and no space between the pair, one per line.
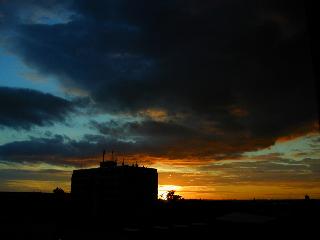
58,191
172,197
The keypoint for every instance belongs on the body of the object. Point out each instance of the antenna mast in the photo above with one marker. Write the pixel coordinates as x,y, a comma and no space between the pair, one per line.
104,152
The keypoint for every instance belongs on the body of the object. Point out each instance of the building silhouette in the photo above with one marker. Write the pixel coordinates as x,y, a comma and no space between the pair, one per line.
112,184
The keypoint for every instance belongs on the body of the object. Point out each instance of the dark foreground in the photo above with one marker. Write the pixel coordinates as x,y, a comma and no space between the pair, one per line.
47,216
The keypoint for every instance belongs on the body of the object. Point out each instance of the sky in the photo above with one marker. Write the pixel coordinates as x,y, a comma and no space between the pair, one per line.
219,96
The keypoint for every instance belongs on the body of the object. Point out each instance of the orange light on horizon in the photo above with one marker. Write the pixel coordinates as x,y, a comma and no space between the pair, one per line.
163,189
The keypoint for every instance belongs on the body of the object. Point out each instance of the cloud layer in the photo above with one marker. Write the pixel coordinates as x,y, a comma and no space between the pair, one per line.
229,76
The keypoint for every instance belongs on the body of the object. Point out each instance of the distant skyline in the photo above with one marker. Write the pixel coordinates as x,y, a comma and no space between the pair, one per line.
219,96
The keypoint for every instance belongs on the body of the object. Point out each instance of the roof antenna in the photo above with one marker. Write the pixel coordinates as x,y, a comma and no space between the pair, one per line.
104,153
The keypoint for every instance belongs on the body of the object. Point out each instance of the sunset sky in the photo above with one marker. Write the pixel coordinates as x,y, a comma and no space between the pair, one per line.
218,95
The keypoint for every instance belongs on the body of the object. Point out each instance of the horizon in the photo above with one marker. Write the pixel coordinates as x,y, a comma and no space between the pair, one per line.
194,199
220,97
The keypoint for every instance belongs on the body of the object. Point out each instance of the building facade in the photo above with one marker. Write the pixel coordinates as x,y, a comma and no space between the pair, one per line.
114,184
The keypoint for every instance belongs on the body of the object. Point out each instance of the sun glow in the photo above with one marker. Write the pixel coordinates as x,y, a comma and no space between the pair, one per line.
163,189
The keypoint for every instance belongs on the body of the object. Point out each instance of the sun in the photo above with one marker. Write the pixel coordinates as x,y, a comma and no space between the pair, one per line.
163,189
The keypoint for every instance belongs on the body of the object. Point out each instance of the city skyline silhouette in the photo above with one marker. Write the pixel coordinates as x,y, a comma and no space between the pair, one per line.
219,96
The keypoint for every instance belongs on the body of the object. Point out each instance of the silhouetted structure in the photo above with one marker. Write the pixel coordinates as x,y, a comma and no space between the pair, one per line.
114,184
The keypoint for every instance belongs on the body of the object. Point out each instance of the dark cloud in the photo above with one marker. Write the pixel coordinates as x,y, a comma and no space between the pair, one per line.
146,129
61,150
24,108
243,67
142,141
55,150
175,141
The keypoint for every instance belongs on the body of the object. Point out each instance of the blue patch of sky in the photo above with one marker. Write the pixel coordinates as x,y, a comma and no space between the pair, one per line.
119,118
9,135
295,149
14,73
75,132
75,127
52,20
